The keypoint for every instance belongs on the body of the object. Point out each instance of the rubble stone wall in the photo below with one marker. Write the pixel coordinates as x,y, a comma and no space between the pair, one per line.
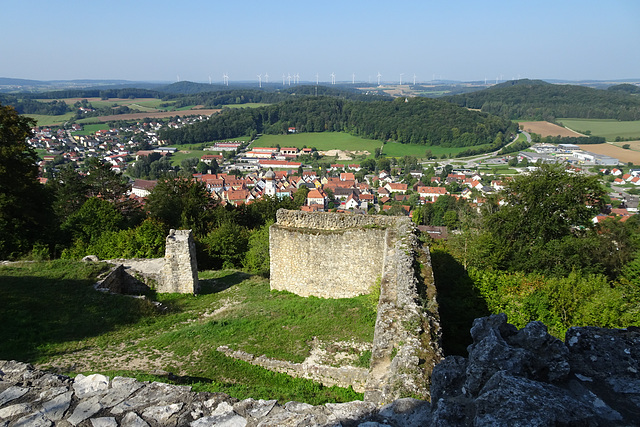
331,255
511,377
177,272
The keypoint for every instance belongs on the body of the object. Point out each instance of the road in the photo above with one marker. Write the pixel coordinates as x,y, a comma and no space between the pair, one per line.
482,157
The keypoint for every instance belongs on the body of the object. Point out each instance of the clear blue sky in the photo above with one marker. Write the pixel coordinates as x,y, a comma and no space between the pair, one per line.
457,40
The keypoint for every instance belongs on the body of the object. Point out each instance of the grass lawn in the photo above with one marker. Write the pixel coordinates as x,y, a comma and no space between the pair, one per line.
53,317
608,129
90,129
185,153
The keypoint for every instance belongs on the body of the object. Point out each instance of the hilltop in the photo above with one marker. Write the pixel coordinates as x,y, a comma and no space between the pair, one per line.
539,100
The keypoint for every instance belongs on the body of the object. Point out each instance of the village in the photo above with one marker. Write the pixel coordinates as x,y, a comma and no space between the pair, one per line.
245,173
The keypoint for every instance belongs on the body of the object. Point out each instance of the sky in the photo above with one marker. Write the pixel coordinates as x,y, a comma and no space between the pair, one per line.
195,40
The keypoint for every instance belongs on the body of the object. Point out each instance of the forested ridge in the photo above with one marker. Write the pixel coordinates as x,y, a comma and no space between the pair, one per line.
416,120
538,100
178,95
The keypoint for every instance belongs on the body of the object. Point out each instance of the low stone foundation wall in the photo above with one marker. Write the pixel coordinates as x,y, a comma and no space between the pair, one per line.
325,375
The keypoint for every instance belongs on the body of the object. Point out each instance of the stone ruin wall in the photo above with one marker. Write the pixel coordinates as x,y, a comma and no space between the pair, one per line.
177,272
331,255
180,270
511,378
326,255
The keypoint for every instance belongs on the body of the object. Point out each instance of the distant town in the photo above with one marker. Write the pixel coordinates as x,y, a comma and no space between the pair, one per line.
245,173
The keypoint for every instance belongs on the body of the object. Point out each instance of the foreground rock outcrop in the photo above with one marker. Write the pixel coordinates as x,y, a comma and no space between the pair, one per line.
511,378
527,377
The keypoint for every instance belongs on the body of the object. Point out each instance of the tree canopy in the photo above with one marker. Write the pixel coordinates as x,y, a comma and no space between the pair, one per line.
539,100
416,120
23,202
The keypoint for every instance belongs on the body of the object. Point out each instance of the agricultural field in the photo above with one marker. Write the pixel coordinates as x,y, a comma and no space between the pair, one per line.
616,151
247,105
322,141
157,115
186,153
89,331
547,129
609,129
328,141
44,120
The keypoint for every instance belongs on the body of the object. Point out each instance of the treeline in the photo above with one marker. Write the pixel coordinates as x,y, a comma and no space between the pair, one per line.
625,87
538,100
417,121
31,106
217,99
577,140
95,93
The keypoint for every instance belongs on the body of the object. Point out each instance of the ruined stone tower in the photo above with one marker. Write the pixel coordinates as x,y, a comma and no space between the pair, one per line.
180,270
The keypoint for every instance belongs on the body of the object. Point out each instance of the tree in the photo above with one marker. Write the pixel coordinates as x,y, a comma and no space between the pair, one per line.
545,215
24,210
70,192
95,217
256,259
226,245
180,203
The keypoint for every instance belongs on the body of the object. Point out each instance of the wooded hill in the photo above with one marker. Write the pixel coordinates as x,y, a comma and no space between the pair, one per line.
539,100
416,120
180,94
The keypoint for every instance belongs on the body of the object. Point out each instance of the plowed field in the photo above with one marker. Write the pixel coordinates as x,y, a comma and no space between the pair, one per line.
630,155
547,129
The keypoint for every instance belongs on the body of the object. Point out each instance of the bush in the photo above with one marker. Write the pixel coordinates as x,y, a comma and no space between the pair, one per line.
257,259
225,246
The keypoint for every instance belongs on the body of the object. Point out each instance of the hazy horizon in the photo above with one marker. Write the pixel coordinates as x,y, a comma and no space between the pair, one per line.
200,41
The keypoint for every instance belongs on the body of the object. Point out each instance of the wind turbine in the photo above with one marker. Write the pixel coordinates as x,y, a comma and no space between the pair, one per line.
209,79
283,76
266,77
317,81
379,75
289,79
401,74
178,77
414,79
333,78
225,79
296,78
260,80
353,78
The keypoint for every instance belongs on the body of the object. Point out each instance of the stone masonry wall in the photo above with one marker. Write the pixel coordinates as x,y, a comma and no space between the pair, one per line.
326,255
177,272
511,378
180,271
333,255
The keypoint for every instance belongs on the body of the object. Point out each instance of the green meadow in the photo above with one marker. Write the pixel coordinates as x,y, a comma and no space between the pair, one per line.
324,141
87,331
247,105
607,128
90,129
44,120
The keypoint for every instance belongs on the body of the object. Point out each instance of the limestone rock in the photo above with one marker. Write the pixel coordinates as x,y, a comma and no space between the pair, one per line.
104,422
12,393
55,408
133,420
90,386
